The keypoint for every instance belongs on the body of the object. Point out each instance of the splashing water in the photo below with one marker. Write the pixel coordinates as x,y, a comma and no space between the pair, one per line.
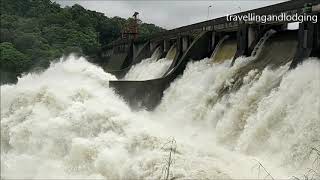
150,68
67,123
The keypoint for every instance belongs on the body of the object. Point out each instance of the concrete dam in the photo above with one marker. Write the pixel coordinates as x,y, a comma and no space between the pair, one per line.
214,100
218,39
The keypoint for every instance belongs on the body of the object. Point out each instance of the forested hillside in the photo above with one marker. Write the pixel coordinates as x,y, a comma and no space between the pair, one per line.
35,32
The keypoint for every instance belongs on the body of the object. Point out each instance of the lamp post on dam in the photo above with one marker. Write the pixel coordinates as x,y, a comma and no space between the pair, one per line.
209,11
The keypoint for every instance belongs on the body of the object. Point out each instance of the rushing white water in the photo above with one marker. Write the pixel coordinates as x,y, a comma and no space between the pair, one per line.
150,68
67,123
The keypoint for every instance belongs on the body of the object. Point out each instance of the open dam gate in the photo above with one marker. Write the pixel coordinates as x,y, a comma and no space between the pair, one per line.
219,40
217,100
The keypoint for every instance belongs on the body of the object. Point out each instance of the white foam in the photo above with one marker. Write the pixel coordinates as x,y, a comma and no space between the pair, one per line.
67,123
148,69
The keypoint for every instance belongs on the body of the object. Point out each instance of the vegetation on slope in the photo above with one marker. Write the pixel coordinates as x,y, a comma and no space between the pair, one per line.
35,32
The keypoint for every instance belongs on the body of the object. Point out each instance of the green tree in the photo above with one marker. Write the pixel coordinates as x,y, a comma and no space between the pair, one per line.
35,32
13,60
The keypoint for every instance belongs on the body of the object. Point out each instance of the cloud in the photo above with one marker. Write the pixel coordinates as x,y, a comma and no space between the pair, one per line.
169,14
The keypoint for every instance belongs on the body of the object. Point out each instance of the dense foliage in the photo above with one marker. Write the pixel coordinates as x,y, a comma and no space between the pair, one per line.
35,32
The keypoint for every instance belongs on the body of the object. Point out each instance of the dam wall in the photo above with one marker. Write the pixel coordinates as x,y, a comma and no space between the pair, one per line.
216,39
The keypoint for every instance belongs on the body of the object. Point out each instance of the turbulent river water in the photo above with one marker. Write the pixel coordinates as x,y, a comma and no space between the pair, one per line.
67,123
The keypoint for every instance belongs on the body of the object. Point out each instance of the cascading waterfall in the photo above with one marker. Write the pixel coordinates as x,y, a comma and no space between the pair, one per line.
151,68
67,123
148,69
226,49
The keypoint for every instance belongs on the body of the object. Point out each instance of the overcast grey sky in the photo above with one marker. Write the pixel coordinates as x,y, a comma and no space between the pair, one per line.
170,14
